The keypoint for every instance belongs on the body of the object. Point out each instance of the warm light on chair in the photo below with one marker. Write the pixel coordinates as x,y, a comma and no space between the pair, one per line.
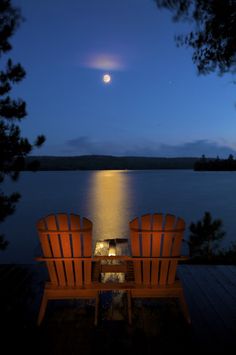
112,251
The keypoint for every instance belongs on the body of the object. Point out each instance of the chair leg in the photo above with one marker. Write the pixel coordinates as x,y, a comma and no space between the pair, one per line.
129,307
96,309
184,307
42,308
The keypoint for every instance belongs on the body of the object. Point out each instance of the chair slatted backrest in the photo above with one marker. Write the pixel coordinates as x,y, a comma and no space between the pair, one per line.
156,235
67,236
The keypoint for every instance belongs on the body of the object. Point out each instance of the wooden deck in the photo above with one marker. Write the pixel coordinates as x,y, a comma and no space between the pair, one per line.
211,295
158,324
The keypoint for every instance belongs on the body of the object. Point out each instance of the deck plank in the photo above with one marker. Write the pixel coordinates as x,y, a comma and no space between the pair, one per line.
228,280
210,292
207,324
199,320
232,269
226,285
213,293
214,302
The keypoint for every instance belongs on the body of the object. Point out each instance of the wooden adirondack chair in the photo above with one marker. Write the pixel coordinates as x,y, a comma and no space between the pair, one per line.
66,242
156,247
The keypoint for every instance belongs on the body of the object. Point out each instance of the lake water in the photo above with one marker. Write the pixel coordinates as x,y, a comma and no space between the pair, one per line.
110,199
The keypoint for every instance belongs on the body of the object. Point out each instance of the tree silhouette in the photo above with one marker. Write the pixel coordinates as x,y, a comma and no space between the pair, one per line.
213,38
13,147
217,164
205,236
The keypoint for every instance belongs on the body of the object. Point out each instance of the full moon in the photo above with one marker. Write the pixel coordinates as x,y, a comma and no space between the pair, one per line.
106,78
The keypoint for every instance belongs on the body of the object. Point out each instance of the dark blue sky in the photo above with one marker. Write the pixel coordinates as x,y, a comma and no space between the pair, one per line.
155,105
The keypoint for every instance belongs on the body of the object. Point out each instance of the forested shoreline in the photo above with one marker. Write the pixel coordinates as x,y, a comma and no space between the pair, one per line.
217,164
106,162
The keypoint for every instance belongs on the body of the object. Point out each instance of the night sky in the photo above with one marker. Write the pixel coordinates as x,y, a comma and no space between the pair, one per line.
155,104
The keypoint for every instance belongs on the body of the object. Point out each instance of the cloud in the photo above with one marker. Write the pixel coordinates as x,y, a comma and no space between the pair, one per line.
187,149
84,146
103,61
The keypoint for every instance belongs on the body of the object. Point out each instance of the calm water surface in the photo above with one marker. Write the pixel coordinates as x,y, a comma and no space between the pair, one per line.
112,198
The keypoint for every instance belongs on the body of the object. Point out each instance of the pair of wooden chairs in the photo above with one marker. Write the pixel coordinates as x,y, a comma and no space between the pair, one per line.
66,243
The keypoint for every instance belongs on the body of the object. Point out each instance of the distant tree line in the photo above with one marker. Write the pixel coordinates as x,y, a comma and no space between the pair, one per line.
217,164
106,162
